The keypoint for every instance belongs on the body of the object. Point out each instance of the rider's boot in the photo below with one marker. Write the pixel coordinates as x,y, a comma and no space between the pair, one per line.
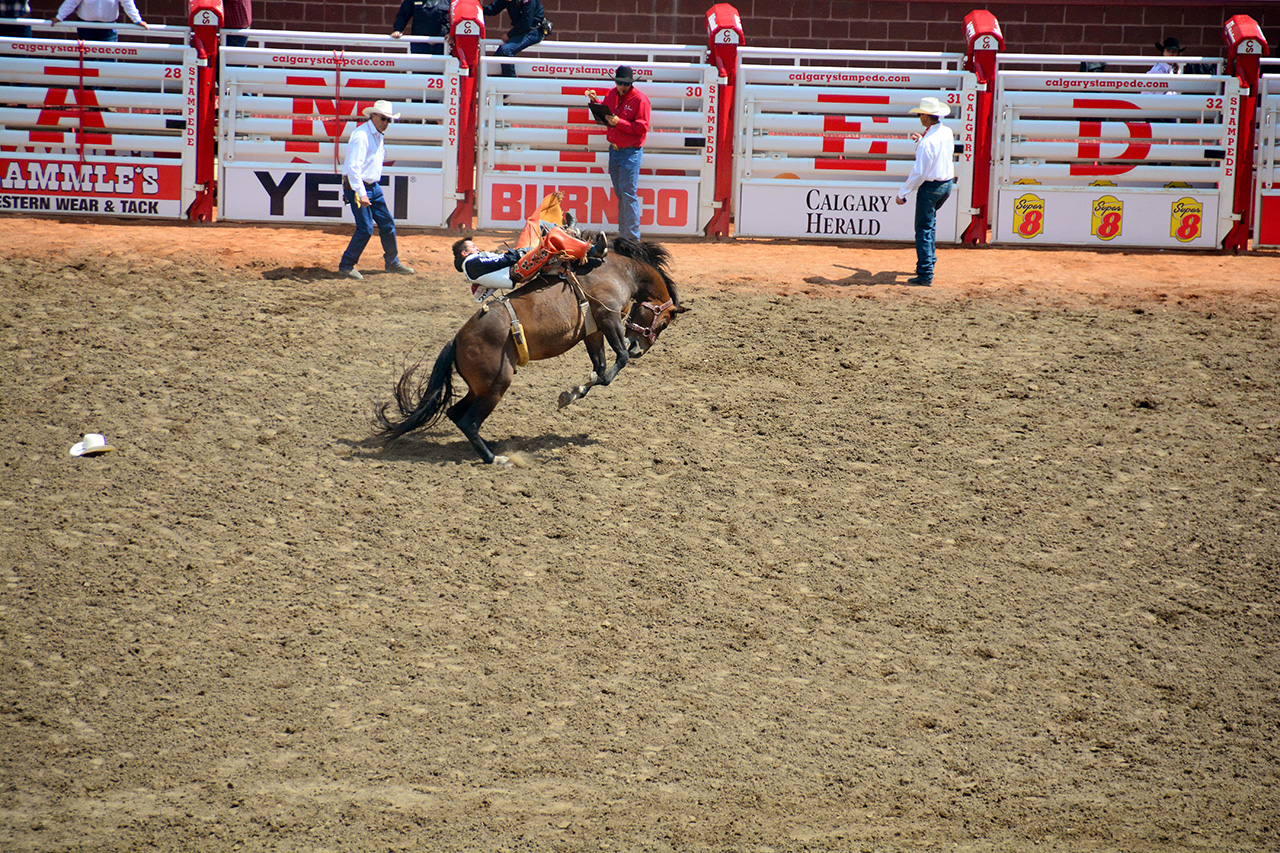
599,247
559,241
529,265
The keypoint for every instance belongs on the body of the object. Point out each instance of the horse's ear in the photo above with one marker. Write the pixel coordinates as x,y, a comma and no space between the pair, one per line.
680,309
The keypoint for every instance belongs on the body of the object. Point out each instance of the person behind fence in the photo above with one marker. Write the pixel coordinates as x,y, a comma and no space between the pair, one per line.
625,110
239,16
99,11
490,272
430,18
932,176
15,9
1168,48
529,26
361,188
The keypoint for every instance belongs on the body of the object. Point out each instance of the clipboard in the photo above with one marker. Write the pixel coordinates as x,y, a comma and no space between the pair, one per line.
600,111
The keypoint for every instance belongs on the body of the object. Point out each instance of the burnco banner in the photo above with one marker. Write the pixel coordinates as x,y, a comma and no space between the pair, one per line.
668,204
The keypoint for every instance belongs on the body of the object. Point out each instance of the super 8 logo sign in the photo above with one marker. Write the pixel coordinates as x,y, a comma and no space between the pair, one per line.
1108,217
1028,216
1186,215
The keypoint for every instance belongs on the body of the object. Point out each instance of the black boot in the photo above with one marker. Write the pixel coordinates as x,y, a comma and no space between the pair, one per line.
599,247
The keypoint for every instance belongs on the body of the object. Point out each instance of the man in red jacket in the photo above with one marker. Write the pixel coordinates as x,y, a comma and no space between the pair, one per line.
627,117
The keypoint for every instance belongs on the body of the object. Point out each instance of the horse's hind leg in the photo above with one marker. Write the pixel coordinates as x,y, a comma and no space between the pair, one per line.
470,412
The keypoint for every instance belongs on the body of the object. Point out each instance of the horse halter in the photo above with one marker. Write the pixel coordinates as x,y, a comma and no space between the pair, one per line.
649,333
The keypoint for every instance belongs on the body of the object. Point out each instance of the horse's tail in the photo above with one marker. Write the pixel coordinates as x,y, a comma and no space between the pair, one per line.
419,405
653,254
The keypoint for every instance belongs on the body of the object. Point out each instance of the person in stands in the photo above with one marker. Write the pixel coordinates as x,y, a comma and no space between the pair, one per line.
626,113
361,188
490,272
932,176
15,9
99,11
239,16
1169,48
528,27
430,18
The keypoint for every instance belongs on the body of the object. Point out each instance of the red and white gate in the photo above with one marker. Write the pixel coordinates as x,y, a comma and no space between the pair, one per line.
537,136
98,128
1119,158
823,141
289,103
1266,208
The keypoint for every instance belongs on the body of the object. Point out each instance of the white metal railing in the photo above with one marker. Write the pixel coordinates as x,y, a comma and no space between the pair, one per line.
824,140
1112,157
98,128
536,135
289,102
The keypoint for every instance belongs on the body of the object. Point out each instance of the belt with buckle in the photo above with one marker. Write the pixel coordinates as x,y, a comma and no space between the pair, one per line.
613,147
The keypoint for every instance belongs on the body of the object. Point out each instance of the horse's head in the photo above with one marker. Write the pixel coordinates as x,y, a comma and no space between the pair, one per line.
646,321
655,303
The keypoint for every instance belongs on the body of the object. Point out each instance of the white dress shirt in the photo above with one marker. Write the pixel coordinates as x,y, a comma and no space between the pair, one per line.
104,11
935,154
364,158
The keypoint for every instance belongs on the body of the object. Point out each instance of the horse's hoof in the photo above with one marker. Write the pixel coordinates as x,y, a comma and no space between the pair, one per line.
565,399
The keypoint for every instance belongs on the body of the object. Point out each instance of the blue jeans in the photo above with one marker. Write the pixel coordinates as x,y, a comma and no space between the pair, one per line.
930,197
624,171
511,48
366,217
92,34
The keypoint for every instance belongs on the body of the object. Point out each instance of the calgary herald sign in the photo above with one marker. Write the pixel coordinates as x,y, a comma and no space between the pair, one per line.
799,209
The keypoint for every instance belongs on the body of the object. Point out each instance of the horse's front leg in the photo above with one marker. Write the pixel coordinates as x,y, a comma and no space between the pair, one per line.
615,333
611,330
595,351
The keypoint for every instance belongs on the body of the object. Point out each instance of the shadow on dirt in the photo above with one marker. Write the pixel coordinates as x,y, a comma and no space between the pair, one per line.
864,278
438,449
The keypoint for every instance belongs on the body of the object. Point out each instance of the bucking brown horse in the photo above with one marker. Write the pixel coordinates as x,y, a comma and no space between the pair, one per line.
629,299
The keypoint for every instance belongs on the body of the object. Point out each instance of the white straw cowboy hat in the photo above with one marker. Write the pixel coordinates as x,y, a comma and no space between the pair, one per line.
382,108
91,445
931,107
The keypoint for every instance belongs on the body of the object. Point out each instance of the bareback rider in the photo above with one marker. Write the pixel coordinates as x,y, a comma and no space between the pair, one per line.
489,272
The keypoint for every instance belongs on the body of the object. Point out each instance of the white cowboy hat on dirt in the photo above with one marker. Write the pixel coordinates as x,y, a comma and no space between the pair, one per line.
91,445
382,108
931,107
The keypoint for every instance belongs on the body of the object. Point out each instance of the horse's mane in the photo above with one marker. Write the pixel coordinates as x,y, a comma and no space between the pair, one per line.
653,254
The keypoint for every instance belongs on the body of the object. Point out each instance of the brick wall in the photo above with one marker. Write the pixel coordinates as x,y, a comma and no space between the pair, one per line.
1030,26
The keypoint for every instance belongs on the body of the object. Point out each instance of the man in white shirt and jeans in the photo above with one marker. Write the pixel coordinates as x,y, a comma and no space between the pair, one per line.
932,176
361,189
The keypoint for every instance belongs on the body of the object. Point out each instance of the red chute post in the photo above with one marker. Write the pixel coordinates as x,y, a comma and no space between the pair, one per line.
724,36
983,44
468,29
206,18
1245,48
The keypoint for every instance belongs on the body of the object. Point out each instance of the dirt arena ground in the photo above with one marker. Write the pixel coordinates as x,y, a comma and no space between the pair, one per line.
842,565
